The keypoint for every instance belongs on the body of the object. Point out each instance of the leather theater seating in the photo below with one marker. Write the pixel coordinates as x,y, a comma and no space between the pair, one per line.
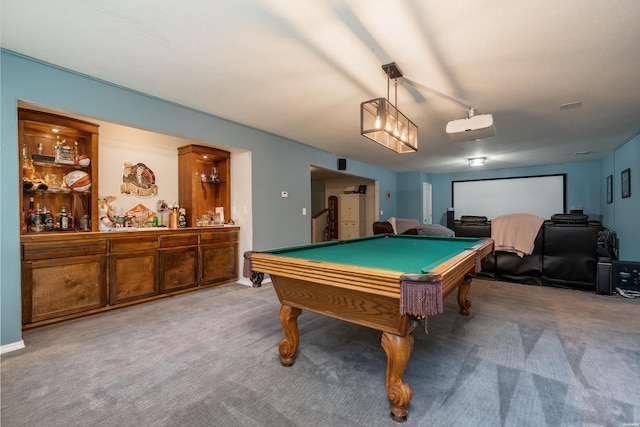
565,252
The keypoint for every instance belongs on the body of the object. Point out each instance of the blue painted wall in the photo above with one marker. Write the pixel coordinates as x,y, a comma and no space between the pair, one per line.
410,195
277,163
622,215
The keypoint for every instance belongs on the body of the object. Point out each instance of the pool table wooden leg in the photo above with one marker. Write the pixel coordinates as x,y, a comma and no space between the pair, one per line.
398,350
289,345
463,290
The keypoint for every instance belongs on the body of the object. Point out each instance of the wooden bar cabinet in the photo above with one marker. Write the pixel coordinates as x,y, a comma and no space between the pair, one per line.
71,272
71,275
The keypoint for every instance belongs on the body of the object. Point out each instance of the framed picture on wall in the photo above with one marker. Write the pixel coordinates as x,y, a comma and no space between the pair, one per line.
626,183
610,189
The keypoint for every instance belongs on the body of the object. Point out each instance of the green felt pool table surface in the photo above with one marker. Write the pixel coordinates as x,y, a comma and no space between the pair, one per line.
402,253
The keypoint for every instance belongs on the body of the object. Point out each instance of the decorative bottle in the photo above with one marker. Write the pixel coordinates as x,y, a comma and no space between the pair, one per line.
48,219
64,219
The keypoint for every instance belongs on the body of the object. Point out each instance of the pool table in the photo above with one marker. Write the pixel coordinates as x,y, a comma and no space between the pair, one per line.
387,282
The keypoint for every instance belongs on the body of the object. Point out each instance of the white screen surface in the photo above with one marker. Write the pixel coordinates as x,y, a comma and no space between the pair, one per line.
543,196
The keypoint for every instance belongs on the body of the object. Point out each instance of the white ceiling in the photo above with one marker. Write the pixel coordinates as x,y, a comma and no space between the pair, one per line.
301,69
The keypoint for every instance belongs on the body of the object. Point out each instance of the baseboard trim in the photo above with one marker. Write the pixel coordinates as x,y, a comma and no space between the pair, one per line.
12,347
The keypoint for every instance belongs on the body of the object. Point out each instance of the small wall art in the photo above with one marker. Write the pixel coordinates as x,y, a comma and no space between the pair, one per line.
626,183
138,179
610,189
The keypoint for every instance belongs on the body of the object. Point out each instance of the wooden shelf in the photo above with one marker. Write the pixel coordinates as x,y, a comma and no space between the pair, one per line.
199,196
36,135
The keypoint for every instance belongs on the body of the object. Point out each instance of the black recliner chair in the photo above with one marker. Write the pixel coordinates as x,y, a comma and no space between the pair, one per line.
570,251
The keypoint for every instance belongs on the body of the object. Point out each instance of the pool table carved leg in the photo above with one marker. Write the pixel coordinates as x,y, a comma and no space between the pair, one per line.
463,290
398,350
289,345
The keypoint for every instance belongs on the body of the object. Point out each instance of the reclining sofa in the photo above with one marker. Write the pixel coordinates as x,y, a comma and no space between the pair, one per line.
565,252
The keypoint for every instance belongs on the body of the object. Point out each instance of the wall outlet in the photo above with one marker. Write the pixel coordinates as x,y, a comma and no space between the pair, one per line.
284,194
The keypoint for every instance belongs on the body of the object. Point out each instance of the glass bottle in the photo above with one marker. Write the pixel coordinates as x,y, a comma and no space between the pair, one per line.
71,222
30,215
48,219
37,225
64,219
39,213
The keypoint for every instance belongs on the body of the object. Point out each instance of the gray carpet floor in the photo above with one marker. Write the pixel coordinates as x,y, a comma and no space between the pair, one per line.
527,356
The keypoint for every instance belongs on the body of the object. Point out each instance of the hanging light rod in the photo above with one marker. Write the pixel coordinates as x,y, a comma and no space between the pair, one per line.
383,123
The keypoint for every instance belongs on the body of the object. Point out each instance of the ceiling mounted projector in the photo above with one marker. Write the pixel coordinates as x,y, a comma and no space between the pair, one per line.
474,127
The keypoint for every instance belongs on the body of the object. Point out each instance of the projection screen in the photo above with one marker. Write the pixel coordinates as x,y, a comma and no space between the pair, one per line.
542,195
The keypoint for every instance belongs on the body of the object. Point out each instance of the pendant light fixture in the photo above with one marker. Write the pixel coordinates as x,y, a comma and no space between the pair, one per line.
383,123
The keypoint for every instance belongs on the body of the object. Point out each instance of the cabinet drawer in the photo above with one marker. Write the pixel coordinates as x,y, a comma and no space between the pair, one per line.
32,251
174,241
222,236
133,244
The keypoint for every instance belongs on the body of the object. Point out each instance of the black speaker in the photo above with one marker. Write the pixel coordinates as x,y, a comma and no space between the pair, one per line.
342,164
451,215
603,279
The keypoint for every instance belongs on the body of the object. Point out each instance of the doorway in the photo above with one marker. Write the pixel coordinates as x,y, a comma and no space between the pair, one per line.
326,183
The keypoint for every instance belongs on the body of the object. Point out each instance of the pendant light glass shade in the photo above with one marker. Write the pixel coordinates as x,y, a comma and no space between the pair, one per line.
383,123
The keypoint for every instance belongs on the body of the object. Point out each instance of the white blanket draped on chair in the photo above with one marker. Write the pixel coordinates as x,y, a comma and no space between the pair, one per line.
515,232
